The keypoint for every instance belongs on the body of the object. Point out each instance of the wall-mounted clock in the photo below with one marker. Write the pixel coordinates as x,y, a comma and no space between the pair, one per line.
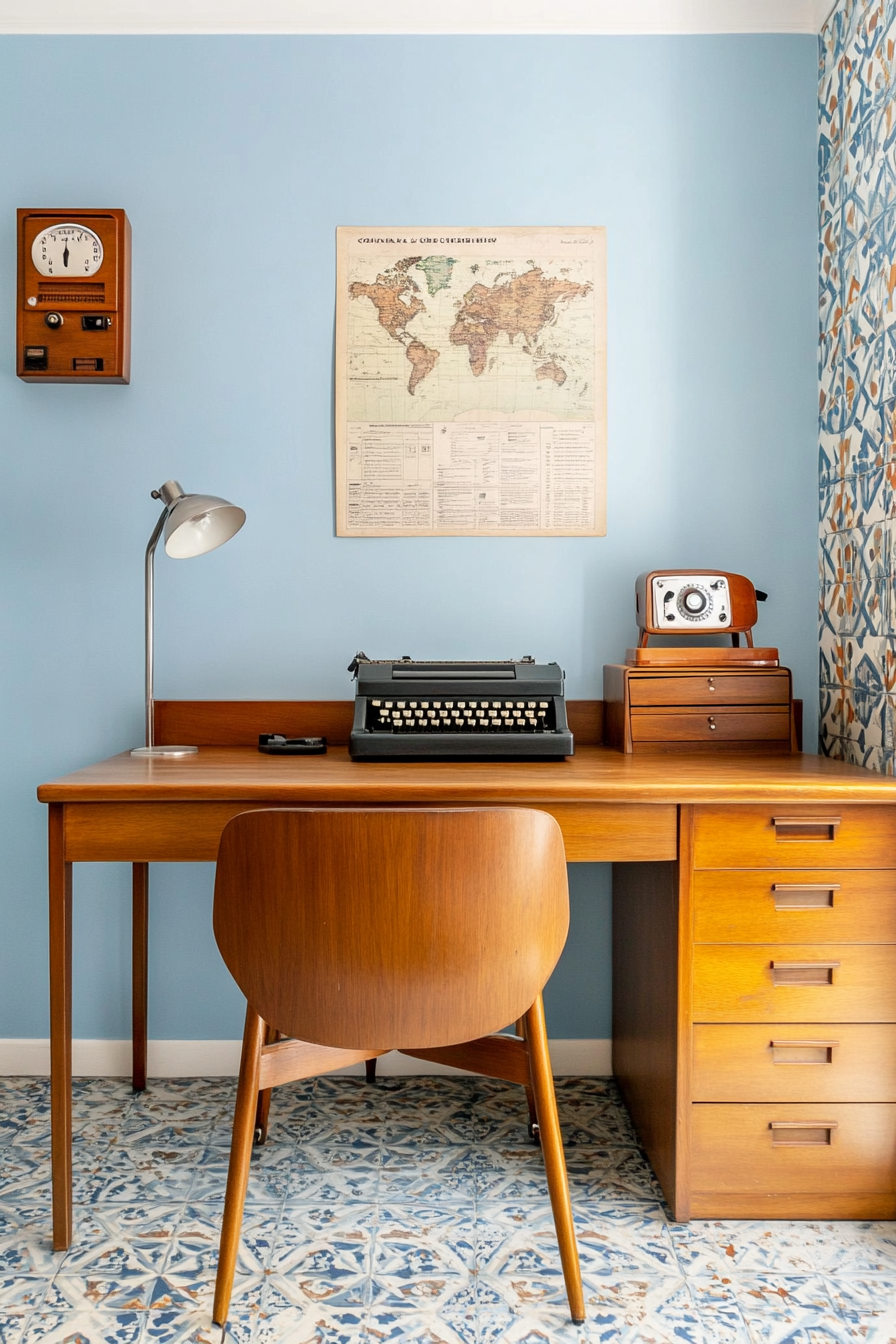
73,321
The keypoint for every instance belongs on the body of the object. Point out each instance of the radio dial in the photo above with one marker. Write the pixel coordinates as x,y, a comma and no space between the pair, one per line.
693,602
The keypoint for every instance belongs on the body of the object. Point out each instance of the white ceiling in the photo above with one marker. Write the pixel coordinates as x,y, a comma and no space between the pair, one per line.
413,16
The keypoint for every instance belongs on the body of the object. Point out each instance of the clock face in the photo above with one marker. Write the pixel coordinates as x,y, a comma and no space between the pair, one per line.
67,250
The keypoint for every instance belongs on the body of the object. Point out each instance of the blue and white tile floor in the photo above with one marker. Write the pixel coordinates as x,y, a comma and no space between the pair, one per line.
412,1211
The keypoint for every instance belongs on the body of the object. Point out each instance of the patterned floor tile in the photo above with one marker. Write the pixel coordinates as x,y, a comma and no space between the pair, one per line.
93,1327
179,1327
25,1245
274,1171
193,1248
125,1240
778,1307
664,1309
552,1326
11,1328
394,1324
106,1292
429,1174
310,1324
320,1260
20,1294
114,1174
863,1302
795,1248
425,1256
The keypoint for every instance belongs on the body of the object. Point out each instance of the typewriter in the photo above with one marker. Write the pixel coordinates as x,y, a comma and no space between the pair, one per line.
409,710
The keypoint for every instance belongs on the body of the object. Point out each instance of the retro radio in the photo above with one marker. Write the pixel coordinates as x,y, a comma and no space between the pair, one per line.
697,601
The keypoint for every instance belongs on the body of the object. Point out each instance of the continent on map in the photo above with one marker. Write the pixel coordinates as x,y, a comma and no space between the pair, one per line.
423,361
394,296
437,271
522,305
394,311
551,370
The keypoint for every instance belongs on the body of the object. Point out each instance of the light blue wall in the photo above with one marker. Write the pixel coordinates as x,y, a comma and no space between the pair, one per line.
236,158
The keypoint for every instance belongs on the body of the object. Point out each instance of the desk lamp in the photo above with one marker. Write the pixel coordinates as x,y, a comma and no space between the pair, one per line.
193,524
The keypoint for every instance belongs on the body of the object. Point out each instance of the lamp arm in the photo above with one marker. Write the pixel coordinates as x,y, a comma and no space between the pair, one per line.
148,622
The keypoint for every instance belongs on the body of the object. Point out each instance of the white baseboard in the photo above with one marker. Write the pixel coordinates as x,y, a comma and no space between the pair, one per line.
204,1059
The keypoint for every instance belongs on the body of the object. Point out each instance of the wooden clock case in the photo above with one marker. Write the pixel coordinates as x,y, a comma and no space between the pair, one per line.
75,352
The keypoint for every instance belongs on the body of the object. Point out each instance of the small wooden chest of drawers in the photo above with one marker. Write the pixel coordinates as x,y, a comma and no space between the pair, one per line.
655,709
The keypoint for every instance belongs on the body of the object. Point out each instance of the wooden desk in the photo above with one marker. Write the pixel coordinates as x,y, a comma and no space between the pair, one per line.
712,938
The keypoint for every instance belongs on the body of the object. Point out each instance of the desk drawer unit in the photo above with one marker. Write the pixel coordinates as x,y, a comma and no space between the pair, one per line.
793,1010
773,994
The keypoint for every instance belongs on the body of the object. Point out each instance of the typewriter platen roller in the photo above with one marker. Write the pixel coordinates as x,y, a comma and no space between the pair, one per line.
412,710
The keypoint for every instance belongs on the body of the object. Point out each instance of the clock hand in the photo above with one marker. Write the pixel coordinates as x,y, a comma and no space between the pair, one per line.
65,256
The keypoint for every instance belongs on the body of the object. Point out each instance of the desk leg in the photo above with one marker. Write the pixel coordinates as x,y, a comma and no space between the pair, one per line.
139,972
60,875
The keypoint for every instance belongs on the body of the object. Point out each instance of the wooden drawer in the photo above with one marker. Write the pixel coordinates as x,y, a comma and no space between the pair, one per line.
794,982
798,1061
783,906
748,723
791,835
825,1148
709,688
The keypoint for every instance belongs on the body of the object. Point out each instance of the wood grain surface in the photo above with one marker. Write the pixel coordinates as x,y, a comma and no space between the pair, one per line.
593,774
839,837
854,905
391,929
736,983
733,1154
751,1062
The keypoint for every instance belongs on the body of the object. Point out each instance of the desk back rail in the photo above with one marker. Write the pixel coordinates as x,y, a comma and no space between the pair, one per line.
237,723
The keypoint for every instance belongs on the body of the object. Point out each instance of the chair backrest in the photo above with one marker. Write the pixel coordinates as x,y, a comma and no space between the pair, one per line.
393,928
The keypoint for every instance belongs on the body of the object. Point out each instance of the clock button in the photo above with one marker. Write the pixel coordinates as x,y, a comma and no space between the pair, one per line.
54,320
95,322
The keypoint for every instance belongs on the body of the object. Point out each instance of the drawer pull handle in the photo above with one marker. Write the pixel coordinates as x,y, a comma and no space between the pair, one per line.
803,1052
712,723
805,828
804,895
802,1133
804,972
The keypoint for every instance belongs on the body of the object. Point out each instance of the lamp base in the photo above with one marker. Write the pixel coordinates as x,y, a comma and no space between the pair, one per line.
164,751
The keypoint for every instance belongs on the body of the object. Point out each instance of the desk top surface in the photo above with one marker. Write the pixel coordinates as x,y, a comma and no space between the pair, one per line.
592,775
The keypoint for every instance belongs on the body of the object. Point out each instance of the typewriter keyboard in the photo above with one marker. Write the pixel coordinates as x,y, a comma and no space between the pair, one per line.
460,716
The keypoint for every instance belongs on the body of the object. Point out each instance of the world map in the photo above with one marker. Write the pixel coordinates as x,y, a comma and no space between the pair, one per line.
439,337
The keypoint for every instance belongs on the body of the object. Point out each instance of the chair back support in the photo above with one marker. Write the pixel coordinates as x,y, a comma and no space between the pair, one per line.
390,929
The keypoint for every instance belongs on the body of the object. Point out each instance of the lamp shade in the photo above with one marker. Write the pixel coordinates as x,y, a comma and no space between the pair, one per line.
198,523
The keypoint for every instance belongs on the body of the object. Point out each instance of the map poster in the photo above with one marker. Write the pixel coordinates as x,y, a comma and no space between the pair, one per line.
471,382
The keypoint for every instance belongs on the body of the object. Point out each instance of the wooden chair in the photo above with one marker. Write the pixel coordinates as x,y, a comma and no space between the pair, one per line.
356,932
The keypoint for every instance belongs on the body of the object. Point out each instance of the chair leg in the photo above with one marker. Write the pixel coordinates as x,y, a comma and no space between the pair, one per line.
240,1155
271,1035
554,1162
530,1095
370,1070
